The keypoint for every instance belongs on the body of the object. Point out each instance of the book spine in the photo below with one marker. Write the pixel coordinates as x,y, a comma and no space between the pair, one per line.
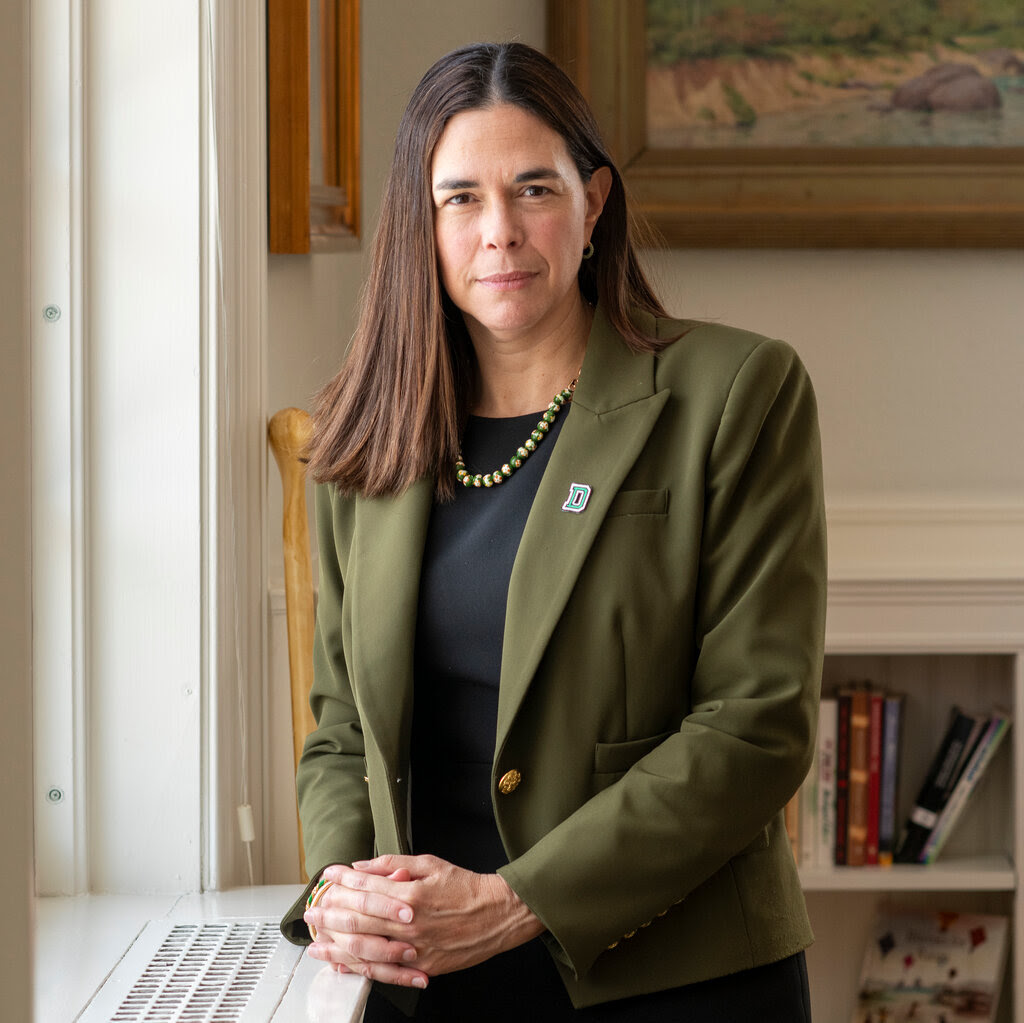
935,790
842,776
992,736
860,749
891,737
826,833
876,704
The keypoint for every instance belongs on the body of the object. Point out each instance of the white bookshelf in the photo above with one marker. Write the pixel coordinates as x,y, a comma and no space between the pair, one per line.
939,643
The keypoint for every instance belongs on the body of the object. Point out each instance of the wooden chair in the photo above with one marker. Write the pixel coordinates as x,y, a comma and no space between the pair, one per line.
289,433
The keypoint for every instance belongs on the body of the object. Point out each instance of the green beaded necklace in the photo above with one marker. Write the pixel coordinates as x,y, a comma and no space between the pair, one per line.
490,479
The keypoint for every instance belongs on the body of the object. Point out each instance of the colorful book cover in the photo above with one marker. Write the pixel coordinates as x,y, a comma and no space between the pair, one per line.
860,746
932,968
892,727
877,702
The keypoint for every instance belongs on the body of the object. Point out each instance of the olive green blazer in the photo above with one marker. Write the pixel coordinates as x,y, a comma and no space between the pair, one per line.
660,667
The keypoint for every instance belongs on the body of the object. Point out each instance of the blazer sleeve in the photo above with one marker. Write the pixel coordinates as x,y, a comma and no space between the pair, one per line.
334,806
708,791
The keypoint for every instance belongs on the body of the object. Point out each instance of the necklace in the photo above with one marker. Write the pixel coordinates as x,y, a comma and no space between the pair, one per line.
490,479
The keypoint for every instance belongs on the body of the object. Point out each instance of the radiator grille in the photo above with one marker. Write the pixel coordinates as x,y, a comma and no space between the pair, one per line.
221,972
201,972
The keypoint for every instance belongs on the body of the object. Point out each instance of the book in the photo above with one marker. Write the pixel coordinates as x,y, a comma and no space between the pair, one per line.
992,736
892,727
810,825
876,702
931,967
943,773
857,806
826,830
842,776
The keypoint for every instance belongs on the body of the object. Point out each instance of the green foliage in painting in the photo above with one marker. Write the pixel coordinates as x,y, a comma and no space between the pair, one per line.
689,29
745,114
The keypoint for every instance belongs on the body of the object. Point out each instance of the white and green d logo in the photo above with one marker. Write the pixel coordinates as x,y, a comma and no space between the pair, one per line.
579,494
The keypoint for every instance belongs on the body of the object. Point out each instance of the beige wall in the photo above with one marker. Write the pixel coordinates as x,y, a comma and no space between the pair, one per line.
15,622
917,356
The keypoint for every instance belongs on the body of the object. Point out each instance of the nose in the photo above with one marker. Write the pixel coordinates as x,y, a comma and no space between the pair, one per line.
502,228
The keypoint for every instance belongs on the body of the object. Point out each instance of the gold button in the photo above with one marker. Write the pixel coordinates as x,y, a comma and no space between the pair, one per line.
509,782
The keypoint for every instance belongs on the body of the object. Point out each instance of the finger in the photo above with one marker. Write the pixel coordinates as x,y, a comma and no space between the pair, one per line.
332,921
361,898
356,949
384,865
386,972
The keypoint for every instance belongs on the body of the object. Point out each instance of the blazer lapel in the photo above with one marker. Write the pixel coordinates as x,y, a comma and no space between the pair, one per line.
613,412
387,556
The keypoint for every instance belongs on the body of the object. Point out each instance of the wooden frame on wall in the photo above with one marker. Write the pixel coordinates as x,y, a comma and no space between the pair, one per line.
306,215
794,197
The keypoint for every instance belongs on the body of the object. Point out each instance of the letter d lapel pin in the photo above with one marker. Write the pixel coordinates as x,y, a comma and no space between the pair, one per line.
579,494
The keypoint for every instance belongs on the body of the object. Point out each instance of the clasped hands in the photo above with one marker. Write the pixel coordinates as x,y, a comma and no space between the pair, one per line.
404,919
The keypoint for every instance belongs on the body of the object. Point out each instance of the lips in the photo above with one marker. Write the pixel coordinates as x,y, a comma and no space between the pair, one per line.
508,281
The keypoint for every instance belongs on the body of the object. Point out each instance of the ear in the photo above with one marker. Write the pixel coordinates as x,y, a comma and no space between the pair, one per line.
597,189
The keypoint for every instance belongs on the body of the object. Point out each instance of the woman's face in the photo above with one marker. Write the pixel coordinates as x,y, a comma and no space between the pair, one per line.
511,220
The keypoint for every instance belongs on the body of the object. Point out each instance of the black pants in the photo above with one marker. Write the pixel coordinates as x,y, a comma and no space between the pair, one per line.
522,986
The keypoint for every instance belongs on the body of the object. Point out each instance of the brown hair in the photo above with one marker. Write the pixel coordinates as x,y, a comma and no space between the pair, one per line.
396,409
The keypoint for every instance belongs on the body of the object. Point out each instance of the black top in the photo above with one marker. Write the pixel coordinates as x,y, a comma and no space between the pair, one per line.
470,548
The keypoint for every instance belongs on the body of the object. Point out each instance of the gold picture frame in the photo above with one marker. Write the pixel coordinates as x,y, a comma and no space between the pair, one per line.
891,197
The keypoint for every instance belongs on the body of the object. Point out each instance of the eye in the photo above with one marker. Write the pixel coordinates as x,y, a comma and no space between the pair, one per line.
461,199
535,191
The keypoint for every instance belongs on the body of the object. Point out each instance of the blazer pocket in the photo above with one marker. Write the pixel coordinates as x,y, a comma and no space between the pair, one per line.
639,502
619,757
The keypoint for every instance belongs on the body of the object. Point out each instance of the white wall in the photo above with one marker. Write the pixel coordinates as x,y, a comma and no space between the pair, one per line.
15,604
917,356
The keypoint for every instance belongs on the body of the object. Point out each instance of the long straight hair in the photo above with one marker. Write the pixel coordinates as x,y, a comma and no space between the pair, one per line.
396,409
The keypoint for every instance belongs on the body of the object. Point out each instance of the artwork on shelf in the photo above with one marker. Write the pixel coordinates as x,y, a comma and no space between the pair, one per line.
935,967
759,123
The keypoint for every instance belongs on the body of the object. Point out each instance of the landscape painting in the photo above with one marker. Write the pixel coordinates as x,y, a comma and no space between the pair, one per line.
834,73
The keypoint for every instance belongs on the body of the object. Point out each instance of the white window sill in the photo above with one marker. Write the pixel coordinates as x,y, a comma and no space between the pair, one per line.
80,940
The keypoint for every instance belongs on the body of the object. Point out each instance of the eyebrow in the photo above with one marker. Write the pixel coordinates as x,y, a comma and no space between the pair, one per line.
534,174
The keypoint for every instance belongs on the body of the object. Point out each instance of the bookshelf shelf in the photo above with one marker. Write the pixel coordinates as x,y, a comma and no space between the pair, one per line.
939,651
967,874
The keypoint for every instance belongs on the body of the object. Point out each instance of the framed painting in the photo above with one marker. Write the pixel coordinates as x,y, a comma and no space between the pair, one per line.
312,125
809,124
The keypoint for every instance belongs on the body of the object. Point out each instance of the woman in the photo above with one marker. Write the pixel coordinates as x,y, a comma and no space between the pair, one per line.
564,684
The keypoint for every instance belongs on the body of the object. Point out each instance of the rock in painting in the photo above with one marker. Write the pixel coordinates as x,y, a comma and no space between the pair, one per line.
961,88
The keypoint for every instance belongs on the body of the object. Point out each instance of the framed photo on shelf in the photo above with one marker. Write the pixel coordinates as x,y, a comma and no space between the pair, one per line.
752,124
